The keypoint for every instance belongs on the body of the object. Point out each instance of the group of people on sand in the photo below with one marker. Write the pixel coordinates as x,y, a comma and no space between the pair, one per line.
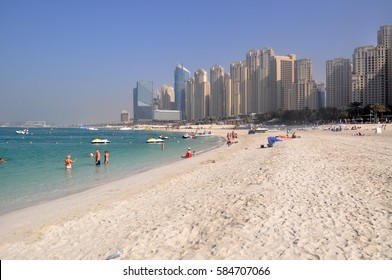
230,138
68,161
359,134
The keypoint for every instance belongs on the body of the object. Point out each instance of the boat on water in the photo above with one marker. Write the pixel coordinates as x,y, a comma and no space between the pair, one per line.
205,133
100,141
126,128
24,131
92,128
188,136
155,141
163,137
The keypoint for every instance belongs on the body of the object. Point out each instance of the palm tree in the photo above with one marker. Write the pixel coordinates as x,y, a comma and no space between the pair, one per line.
355,109
378,108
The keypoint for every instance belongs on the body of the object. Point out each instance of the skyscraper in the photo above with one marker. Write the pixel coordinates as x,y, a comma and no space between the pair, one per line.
190,99
143,100
239,80
125,116
227,98
217,91
384,38
282,71
372,73
304,90
201,95
253,61
181,75
167,98
338,82
265,81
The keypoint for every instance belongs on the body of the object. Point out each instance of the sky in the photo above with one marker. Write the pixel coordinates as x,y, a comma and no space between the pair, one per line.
77,61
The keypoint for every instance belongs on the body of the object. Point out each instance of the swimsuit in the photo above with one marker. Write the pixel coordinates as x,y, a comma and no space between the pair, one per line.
98,162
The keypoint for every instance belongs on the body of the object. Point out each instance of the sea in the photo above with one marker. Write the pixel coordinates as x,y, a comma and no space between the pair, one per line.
34,172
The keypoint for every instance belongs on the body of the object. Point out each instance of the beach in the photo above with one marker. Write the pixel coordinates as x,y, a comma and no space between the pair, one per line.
326,195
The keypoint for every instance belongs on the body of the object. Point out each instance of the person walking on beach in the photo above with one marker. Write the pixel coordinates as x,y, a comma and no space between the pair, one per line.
97,157
106,157
68,162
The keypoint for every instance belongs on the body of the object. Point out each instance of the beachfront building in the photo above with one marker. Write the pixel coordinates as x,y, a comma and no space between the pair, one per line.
304,88
338,82
321,95
253,61
369,75
239,80
384,36
143,101
197,92
201,95
167,98
265,82
181,75
217,74
125,117
166,115
384,39
371,81
227,99
190,99
282,73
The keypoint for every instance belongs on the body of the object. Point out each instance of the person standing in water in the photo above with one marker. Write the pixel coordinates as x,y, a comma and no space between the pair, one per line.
68,162
106,157
97,157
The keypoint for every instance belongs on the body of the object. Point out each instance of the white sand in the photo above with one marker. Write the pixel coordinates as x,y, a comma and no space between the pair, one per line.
327,195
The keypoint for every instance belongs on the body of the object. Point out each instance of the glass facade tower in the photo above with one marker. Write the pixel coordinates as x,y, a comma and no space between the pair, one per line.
143,100
181,75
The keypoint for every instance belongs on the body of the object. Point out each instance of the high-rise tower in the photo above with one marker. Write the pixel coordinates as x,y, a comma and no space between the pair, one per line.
143,100
338,82
202,94
304,89
384,39
217,91
239,80
181,75
167,98
253,61
282,71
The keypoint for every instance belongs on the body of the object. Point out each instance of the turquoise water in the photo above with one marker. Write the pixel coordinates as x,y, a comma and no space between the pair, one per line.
34,168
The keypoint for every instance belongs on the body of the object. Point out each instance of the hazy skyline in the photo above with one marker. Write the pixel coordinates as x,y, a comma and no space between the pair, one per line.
75,62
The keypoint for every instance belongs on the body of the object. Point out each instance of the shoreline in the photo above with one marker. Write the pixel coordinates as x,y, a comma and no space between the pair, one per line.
84,186
310,198
87,198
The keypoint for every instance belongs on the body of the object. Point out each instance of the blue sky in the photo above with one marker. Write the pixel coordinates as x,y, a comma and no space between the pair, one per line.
77,61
